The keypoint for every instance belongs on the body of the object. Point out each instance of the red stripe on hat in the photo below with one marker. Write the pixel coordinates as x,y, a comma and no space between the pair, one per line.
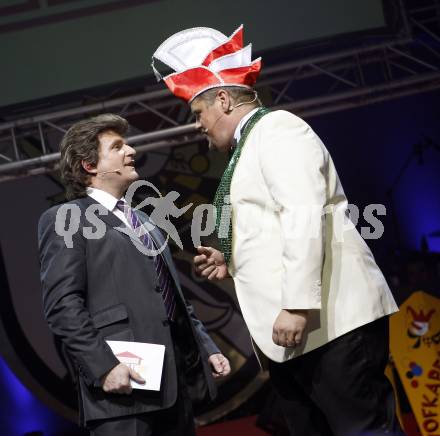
190,82
234,44
242,75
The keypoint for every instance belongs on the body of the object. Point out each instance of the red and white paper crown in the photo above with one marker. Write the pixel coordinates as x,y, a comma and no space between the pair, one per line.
204,58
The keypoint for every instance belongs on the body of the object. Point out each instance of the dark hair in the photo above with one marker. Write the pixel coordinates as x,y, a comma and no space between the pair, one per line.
81,143
238,94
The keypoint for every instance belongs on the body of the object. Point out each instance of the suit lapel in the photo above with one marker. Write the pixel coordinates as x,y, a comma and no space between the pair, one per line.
159,240
112,221
166,254
110,218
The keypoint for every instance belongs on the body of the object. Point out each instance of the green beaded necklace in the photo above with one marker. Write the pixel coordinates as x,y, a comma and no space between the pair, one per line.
223,224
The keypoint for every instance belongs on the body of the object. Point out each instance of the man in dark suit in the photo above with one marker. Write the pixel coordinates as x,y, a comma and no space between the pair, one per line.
98,285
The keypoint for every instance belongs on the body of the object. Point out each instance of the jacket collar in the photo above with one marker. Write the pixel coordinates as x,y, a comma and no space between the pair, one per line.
111,220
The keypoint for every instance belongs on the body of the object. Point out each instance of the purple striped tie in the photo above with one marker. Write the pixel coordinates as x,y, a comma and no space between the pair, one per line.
164,280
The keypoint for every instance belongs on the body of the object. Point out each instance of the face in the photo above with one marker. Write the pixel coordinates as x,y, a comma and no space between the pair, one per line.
115,169
214,121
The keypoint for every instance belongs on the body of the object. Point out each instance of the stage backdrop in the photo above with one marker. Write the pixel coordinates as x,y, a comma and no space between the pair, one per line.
59,46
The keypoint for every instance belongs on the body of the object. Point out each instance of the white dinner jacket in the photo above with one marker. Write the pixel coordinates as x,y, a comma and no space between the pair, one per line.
285,253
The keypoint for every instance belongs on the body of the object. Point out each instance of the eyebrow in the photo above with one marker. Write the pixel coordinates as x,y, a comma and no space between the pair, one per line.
116,142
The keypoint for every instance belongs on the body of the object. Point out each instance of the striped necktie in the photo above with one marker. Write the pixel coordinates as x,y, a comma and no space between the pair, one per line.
164,279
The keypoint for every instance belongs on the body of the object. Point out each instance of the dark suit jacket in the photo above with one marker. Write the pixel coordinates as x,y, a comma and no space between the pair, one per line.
105,288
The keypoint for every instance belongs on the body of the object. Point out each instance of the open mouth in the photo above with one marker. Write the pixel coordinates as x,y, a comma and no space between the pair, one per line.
130,164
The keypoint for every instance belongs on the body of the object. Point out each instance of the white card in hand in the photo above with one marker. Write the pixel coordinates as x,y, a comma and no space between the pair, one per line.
146,359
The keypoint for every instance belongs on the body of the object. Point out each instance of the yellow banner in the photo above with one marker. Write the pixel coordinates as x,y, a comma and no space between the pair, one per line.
415,348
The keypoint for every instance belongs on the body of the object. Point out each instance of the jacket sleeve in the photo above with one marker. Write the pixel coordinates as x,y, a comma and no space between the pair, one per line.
206,341
64,281
293,162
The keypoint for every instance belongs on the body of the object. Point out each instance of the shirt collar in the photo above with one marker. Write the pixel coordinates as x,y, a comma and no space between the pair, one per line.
243,121
103,197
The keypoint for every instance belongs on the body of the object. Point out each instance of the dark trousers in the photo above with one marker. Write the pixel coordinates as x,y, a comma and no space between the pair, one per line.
178,420
340,389
175,421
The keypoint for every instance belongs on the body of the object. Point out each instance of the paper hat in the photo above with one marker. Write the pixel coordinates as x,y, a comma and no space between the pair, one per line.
204,58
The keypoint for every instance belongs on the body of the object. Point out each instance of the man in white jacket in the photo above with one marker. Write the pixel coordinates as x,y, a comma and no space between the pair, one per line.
312,296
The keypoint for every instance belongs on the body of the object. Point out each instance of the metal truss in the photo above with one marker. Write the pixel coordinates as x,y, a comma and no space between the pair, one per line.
323,83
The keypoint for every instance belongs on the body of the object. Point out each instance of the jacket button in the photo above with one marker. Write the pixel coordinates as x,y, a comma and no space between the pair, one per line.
158,289
165,322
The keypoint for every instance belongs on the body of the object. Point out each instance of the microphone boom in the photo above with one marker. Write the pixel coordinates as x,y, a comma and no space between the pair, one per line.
118,170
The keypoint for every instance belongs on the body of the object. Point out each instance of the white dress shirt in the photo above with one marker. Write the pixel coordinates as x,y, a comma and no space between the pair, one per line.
243,121
109,202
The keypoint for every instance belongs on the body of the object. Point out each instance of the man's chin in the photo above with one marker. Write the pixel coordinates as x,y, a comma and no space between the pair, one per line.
132,177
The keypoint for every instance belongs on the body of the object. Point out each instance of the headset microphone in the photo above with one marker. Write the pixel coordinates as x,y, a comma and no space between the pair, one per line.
230,109
117,170
244,102
205,131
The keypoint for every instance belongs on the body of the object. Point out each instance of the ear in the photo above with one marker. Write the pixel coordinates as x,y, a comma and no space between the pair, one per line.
225,100
90,168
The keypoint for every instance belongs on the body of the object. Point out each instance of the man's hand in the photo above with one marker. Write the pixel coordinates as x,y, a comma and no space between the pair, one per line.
220,365
210,264
117,380
288,329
